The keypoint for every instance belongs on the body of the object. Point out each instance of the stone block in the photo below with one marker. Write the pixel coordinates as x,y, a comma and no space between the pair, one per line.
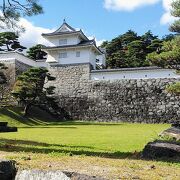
7,170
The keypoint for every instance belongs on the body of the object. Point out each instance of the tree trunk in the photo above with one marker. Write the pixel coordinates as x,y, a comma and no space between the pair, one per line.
26,109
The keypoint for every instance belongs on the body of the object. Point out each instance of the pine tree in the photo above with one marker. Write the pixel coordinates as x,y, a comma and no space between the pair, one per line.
35,52
29,88
9,42
175,27
13,10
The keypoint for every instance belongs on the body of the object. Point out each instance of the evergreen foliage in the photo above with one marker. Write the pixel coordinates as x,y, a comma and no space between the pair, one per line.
130,50
170,53
36,53
9,42
175,27
12,10
174,88
30,88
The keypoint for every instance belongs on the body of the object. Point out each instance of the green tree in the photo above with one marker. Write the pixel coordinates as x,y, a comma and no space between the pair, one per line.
116,49
170,55
104,44
128,37
148,37
154,46
175,27
117,60
35,52
12,10
136,53
170,52
30,88
174,88
9,42
168,37
130,50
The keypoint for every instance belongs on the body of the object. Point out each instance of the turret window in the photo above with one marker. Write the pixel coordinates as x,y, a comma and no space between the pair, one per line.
62,41
78,54
63,55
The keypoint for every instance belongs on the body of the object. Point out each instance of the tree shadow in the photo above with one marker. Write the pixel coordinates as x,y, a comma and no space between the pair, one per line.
40,117
10,145
35,143
115,155
36,117
48,127
90,123
17,117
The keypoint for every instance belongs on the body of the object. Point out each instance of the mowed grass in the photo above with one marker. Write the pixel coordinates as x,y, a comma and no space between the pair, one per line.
83,139
104,149
79,138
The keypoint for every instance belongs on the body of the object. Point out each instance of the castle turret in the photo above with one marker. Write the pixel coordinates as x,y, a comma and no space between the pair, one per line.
71,46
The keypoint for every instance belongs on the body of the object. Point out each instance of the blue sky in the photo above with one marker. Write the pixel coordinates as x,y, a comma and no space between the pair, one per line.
103,19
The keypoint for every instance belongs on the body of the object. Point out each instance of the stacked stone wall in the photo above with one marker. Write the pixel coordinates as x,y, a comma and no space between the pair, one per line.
143,100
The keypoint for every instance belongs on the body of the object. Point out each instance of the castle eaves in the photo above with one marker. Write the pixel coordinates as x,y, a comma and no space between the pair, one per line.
89,43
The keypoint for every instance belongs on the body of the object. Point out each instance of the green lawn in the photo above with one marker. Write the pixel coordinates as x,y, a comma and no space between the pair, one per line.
104,149
101,139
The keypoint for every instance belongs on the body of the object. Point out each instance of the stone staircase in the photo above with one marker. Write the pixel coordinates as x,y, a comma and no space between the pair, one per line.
5,128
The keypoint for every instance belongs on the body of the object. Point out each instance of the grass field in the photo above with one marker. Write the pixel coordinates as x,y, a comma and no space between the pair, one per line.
103,149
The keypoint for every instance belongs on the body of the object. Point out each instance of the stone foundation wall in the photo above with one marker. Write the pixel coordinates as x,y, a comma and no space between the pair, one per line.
15,68
118,100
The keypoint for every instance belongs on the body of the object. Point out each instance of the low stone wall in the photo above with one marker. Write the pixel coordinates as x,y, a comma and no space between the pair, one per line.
118,100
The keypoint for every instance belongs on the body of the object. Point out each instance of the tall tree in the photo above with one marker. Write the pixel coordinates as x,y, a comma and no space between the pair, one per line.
136,53
12,10
130,50
9,42
175,27
30,88
36,53
170,55
168,37
148,37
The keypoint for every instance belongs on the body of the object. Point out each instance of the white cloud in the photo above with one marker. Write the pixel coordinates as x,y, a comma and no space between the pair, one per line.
166,17
98,42
127,5
32,35
130,5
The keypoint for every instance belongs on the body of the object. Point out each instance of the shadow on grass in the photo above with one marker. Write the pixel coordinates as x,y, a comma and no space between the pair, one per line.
37,116
47,127
83,123
40,117
12,142
9,145
16,116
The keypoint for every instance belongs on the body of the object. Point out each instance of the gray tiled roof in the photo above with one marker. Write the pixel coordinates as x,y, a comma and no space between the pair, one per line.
127,69
60,33
64,23
81,44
